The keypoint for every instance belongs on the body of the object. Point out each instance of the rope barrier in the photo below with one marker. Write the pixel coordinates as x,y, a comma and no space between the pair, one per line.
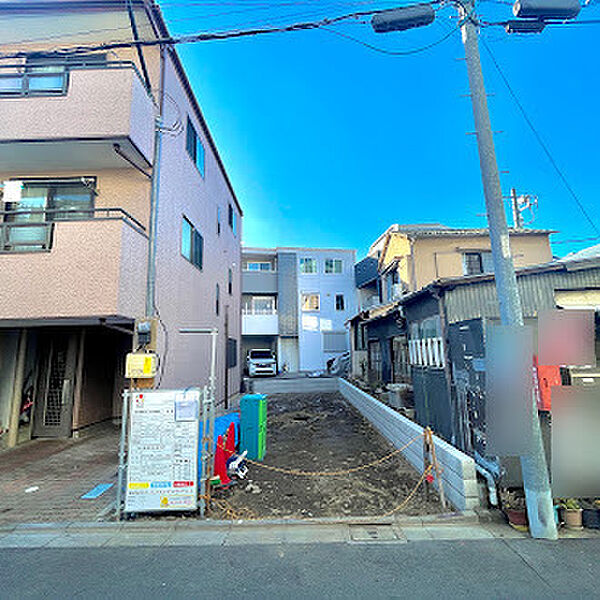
243,513
301,473
412,493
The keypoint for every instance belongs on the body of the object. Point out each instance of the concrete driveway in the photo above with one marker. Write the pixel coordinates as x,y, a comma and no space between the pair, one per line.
43,481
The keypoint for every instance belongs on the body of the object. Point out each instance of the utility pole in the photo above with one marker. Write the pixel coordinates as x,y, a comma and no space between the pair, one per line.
540,507
514,203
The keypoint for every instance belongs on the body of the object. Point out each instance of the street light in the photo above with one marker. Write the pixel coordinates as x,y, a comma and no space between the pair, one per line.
546,9
401,19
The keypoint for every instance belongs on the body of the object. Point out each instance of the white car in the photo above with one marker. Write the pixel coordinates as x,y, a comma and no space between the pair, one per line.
261,362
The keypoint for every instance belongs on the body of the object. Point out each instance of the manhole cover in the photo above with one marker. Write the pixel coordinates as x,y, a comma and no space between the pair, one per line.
372,533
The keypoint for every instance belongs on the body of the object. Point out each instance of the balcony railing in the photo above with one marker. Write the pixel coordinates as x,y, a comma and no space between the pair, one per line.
37,235
259,311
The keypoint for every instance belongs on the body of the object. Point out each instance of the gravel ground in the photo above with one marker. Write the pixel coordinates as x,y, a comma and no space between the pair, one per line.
321,432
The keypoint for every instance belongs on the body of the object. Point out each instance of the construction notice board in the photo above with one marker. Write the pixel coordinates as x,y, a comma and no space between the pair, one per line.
162,464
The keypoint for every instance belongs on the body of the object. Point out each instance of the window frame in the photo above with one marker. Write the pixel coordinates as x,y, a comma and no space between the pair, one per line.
217,299
306,259
259,264
192,147
334,262
304,296
232,219
230,281
467,257
343,303
196,244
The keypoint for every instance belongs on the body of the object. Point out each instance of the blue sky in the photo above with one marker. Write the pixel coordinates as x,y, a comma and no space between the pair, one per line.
328,142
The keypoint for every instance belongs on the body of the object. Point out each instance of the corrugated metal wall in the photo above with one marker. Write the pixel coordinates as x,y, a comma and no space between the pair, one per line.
537,293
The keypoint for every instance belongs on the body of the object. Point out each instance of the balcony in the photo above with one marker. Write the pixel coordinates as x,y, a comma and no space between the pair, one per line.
71,119
259,322
91,263
259,282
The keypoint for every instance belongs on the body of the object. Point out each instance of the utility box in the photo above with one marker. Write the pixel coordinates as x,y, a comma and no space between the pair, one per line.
253,425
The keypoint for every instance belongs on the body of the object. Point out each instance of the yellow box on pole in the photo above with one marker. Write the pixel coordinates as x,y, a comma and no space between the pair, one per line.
141,365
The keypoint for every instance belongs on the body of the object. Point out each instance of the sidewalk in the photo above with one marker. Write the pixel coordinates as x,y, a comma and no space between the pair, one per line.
43,480
467,526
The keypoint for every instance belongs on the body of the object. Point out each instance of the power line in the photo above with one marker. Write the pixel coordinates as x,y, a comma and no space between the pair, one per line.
208,36
539,139
393,52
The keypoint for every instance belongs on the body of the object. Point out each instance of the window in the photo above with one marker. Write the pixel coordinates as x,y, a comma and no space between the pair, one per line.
232,219
339,302
230,282
194,147
39,202
360,336
232,353
333,265
260,305
217,298
400,360
259,266
192,244
46,75
375,361
310,302
475,263
218,220
308,265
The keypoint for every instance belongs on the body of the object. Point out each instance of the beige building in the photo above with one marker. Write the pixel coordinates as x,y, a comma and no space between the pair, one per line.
411,256
406,258
77,161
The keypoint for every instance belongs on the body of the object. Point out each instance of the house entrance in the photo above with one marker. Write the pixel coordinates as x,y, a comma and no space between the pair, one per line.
55,384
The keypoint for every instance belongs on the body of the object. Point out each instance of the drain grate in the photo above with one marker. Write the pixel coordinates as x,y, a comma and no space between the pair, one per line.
372,533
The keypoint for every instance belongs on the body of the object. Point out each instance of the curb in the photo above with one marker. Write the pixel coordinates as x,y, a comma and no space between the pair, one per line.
456,518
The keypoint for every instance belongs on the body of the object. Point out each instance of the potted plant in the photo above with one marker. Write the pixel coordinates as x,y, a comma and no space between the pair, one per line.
572,513
590,515
515,509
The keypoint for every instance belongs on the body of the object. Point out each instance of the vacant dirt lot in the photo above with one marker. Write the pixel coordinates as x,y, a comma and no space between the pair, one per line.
321,432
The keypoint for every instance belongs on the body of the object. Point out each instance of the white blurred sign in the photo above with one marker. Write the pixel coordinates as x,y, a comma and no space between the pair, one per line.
162,469
12,191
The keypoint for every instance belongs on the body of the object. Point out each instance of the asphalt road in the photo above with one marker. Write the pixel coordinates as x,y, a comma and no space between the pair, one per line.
518,568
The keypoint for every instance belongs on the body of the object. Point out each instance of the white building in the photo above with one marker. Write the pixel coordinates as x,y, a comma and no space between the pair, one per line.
296,302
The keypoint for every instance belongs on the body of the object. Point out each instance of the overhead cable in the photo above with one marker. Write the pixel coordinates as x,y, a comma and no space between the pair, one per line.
539,139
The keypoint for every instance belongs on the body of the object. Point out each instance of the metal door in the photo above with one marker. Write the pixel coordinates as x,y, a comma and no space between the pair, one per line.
53,408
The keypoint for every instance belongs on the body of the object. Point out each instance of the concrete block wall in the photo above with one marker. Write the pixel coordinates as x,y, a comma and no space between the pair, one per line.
458,470
300,385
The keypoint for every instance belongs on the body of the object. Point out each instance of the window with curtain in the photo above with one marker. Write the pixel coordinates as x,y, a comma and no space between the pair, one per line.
308,265
310,302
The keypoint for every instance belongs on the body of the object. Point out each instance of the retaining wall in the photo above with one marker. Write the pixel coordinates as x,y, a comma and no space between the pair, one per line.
458,470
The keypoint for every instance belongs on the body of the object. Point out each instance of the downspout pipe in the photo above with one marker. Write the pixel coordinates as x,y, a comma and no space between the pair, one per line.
486,469
491,484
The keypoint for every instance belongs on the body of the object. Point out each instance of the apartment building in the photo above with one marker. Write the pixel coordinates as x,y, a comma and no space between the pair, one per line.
78,157
296,302
406,258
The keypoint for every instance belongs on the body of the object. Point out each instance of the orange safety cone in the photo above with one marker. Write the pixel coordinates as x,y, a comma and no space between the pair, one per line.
221,462
230,443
